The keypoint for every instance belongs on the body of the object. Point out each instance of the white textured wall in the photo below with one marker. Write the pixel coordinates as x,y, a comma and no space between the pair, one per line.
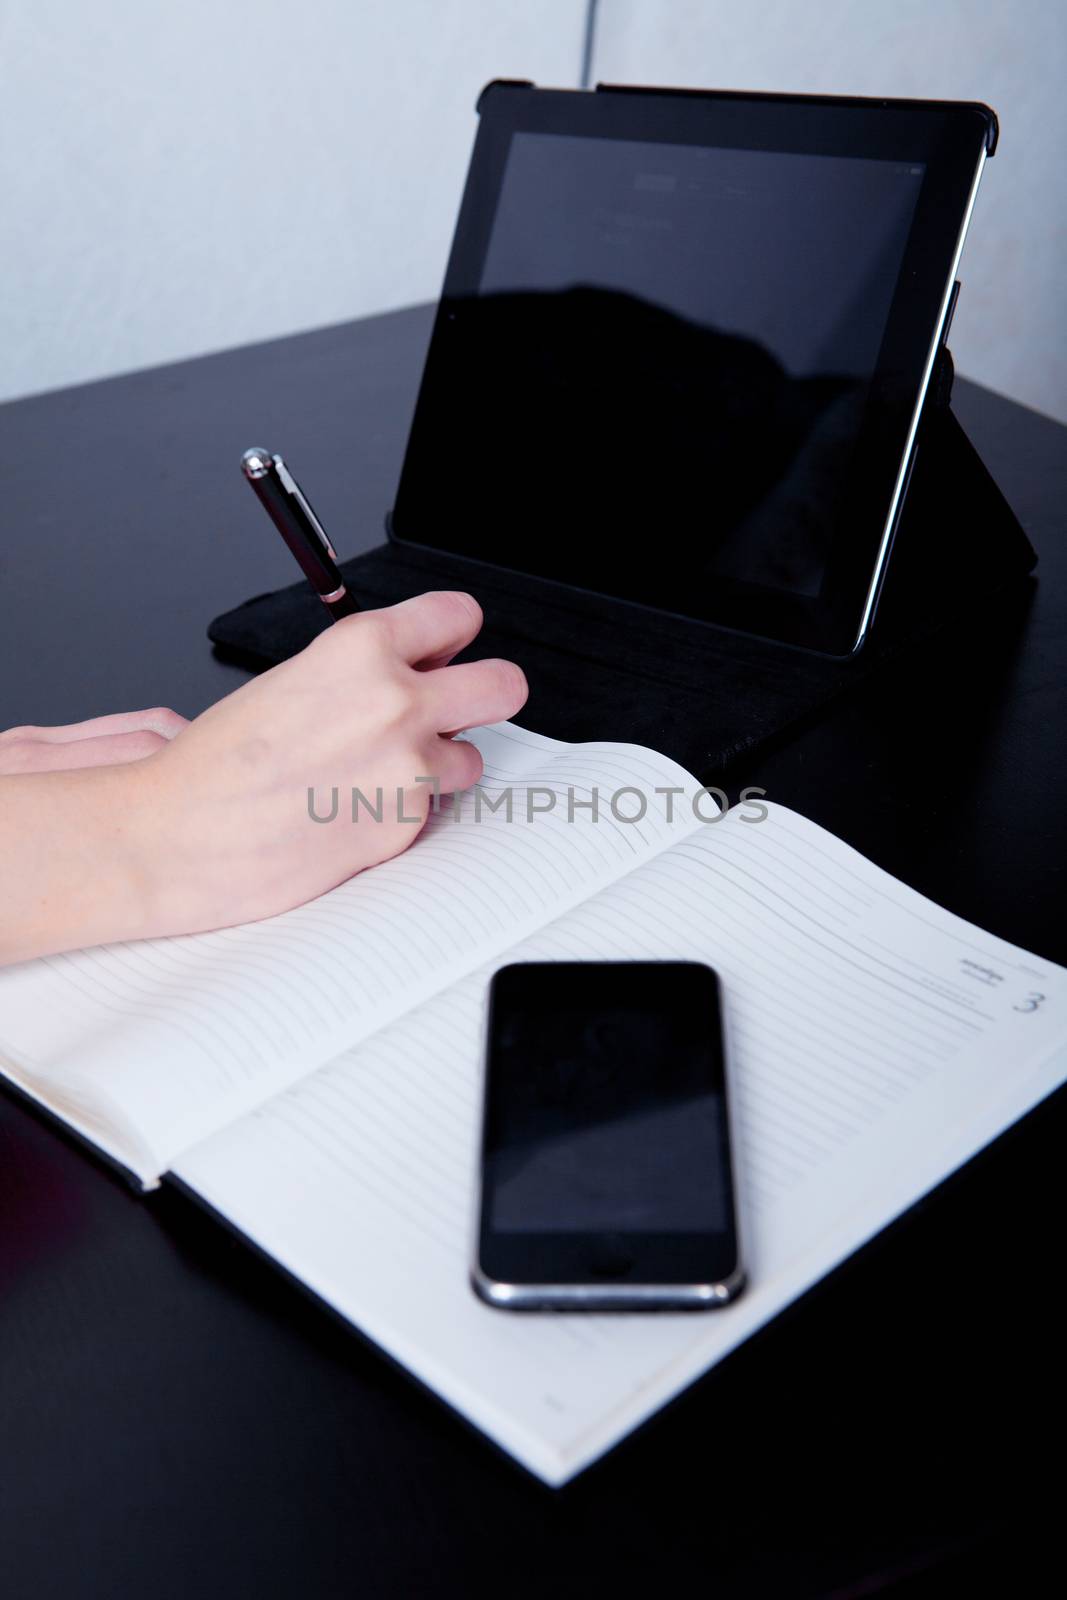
1010,329
177,176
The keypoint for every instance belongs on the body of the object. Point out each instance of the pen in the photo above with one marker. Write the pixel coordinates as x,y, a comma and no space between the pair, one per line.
287,507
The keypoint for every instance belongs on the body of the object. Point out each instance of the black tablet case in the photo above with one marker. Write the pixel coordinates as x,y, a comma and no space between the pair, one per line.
601,668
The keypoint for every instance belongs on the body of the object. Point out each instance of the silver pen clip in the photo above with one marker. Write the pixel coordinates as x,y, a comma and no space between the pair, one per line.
290,485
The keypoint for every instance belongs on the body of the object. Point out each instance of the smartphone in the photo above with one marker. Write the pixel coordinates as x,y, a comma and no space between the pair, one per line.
607,1180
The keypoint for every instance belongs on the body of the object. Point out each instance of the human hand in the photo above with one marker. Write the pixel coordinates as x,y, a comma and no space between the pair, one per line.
143,824
370,704
99,742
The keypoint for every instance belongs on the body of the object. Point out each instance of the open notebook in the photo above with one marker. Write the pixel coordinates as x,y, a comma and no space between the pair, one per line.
315,1078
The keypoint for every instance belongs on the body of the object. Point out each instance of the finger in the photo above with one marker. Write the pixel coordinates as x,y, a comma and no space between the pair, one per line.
474,693
158,719
430,626
39,755
457,765
433,662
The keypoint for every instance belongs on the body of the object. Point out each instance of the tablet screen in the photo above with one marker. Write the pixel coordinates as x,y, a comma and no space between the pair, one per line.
695,333
686,368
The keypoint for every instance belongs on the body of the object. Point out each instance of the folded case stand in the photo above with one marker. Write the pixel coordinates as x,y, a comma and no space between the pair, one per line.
601,668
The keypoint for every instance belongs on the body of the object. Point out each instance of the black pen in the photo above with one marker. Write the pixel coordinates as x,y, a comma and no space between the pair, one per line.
287,507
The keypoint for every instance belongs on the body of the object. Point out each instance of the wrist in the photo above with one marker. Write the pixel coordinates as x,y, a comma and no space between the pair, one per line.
82,860
124,888
156,890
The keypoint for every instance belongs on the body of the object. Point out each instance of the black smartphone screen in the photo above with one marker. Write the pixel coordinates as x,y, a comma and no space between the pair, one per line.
606,1150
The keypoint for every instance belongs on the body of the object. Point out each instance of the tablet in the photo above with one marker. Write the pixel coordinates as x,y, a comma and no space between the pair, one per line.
683,345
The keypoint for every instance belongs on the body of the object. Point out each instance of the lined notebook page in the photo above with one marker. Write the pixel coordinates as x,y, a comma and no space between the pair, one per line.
164,1040
876,1043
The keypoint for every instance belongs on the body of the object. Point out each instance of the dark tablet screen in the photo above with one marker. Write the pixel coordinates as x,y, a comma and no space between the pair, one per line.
667,373
697,334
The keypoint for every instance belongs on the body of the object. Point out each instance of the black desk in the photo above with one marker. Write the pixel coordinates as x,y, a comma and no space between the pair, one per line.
177,1421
